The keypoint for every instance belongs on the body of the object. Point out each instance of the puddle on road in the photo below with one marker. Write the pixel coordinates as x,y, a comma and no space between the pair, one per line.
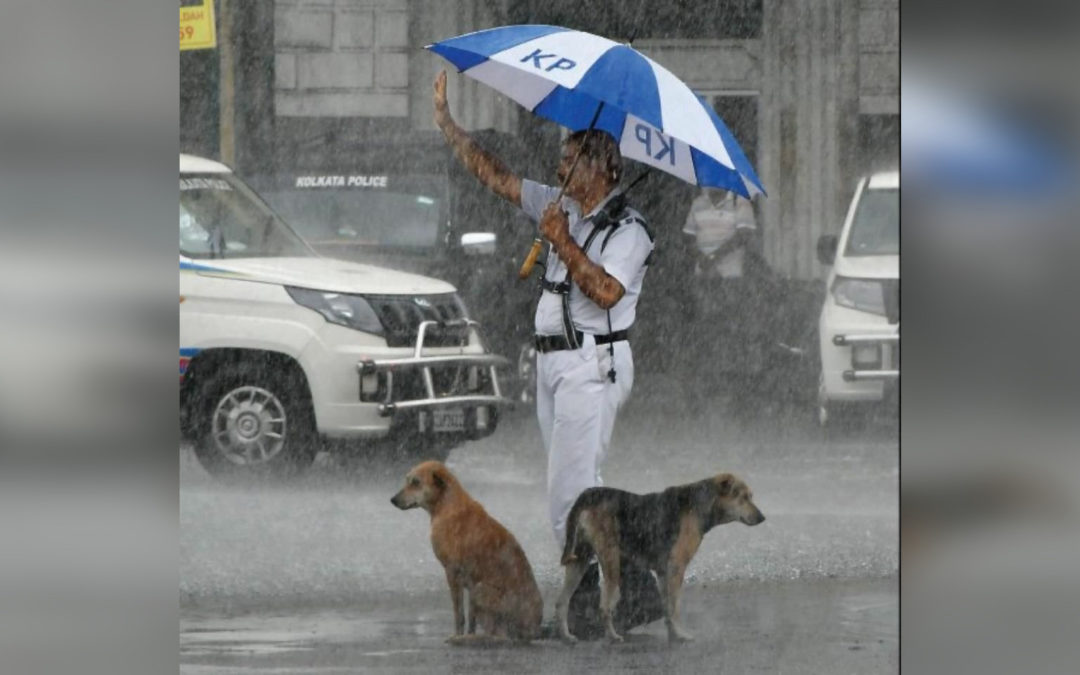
263,635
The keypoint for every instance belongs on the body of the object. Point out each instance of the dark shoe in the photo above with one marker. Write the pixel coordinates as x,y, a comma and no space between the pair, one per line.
584,619
639,598
549,630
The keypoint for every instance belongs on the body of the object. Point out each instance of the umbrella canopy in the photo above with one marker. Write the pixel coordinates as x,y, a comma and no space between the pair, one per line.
565,75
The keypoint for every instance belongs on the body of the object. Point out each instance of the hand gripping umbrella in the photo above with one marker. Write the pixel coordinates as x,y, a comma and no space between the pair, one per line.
584,81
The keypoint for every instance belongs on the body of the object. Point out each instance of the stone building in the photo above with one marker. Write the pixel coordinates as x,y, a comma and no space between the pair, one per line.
809,87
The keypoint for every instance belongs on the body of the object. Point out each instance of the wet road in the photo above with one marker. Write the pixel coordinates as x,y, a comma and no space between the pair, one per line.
326,576
806,627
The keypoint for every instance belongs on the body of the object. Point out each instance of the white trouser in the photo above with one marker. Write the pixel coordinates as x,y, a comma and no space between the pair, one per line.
576,405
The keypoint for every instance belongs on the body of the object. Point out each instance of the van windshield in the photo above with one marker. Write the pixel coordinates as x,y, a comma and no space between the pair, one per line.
395,212
876,228
220,217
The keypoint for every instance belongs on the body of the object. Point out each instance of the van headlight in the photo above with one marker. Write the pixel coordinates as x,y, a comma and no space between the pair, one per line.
865,295
351,311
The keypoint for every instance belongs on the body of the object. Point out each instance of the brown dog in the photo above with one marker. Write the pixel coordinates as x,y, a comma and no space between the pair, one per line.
661,531
479,555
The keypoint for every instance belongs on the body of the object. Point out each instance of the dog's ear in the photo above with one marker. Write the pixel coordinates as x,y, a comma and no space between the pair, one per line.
438,479
725,483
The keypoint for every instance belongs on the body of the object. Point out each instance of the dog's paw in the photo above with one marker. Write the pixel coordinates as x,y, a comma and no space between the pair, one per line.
615,638
567,638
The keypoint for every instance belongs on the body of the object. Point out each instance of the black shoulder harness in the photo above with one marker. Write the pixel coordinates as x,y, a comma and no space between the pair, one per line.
616,213
609,218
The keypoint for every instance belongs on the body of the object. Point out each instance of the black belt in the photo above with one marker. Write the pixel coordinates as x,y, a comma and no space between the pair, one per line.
555,343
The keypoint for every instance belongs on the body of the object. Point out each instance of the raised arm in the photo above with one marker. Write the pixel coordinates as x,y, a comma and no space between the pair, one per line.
488,168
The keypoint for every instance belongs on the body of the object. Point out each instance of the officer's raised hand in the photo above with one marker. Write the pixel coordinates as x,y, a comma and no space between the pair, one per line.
554,225
442,110
488,168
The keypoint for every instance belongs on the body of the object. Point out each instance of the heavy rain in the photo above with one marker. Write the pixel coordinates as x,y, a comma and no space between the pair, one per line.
326,573
765,341
331,214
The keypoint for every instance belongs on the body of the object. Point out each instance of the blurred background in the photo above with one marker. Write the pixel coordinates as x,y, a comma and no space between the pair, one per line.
989,451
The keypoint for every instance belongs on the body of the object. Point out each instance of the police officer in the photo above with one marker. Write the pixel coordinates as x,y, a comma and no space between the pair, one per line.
595,268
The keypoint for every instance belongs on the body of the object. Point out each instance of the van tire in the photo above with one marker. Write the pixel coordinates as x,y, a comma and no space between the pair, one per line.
255,424
840,419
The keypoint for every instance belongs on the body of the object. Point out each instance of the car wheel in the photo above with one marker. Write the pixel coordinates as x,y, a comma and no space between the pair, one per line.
824,410
838,418
832,417
822,403
256,425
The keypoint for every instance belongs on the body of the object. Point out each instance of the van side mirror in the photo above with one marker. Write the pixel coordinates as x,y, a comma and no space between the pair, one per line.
826,248
478,243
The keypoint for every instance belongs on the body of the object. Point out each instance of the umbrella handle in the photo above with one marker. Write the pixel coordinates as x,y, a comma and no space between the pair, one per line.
534,252
530,259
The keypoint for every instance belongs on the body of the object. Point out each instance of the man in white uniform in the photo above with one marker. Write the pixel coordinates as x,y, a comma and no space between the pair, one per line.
579,391
596,263
723,226
584,366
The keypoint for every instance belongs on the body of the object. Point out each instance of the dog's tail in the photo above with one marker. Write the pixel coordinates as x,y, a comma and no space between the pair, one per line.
570,546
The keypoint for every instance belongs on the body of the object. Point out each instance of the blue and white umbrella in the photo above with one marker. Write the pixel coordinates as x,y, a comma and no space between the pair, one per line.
565,75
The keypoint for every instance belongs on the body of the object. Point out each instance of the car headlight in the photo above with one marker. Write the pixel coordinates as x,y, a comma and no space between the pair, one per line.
351,311
865,295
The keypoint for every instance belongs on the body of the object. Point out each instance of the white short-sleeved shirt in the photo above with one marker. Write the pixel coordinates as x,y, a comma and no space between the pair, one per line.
713,224
623,258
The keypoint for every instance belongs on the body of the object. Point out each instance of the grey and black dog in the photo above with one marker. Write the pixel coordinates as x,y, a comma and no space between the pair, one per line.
660,530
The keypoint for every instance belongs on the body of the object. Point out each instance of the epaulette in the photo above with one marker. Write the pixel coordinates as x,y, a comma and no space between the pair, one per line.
631,219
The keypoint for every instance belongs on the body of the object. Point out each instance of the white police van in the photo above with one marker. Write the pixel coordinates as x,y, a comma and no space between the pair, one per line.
283,351
859,326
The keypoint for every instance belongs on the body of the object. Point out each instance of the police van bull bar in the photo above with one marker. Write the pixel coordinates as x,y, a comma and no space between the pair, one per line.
876,342
388,406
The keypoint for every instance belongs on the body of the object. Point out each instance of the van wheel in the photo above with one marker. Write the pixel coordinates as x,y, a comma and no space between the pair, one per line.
825,413
822,403
836,418
842,420
255,425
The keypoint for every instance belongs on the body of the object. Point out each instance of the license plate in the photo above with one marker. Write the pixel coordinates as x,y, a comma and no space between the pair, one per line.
447,419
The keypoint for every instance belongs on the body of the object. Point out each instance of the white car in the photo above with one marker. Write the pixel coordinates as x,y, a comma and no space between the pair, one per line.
859,325
282,350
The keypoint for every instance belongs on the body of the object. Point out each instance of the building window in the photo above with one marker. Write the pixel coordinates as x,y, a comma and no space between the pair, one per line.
740,113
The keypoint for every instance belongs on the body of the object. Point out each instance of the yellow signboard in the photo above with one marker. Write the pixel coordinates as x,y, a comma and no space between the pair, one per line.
197,24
